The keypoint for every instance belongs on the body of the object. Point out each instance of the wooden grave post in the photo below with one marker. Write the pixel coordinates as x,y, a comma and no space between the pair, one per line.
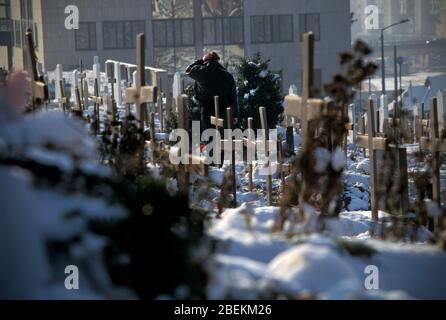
269,181
250,145
230,119
218,123
436,146
140,94
83,87
63,100
305,108
196,164
97,101
373,144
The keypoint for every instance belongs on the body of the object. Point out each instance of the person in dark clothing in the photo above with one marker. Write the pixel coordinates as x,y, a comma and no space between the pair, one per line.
212,79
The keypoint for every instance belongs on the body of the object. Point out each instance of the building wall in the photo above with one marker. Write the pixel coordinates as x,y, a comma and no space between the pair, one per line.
20,20
60,42
334,38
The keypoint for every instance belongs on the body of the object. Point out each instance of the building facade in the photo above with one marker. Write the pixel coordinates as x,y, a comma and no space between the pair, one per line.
180,31
421,42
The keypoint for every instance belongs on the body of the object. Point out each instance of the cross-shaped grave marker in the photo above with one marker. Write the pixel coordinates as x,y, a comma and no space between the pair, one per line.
305,108
37,89
436,146
195,164
218,123
269,181
140,94
375,144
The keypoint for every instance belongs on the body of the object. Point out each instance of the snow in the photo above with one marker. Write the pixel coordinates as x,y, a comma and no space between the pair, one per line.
35,215
263,74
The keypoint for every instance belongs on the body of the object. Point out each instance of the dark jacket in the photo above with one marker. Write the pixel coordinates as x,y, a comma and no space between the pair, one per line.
212,79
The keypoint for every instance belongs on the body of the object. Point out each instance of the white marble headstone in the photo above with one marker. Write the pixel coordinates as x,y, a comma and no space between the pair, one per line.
441,100
134,78
97,70
75,82
118,85
58,75
383,111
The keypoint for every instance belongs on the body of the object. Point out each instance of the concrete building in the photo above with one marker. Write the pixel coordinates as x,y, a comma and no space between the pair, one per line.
421,42
179,31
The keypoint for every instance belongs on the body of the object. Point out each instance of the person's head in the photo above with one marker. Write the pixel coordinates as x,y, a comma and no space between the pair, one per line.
211,56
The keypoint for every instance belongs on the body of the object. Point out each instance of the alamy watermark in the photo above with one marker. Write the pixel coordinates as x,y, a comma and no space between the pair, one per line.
371,282
372,17
72,278
72,20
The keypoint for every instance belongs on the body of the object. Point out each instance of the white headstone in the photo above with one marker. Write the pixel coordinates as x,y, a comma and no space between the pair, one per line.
352,117
134,78
97,70
75,82
383,111
441,100
118,85
177,86
418,110
58,75
293,90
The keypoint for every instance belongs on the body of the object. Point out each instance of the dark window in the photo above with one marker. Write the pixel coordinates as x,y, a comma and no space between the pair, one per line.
17,34
227,30
173,33
121,34
5,12
310,22
274,28
216,8
85,36
26,9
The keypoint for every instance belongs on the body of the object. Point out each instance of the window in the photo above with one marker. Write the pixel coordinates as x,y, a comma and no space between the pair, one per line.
223,31
26,9
275,28
403,7
121,34
173,33
4,9
310,22
218,8
434,7
17,34
167,9
85,36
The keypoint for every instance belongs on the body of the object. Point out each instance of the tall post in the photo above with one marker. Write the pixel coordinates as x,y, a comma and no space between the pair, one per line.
396,110
269,182
373,165
383,64
233,171
141,77
434,134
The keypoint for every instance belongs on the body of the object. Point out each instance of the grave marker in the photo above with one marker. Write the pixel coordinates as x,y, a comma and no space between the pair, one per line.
140,94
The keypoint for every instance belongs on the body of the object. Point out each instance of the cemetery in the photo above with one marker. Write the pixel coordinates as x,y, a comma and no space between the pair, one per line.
106,168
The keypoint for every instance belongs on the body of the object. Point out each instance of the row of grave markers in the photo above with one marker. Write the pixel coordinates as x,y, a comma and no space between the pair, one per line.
303,109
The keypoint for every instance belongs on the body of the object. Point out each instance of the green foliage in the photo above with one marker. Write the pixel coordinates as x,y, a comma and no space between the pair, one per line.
258,87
